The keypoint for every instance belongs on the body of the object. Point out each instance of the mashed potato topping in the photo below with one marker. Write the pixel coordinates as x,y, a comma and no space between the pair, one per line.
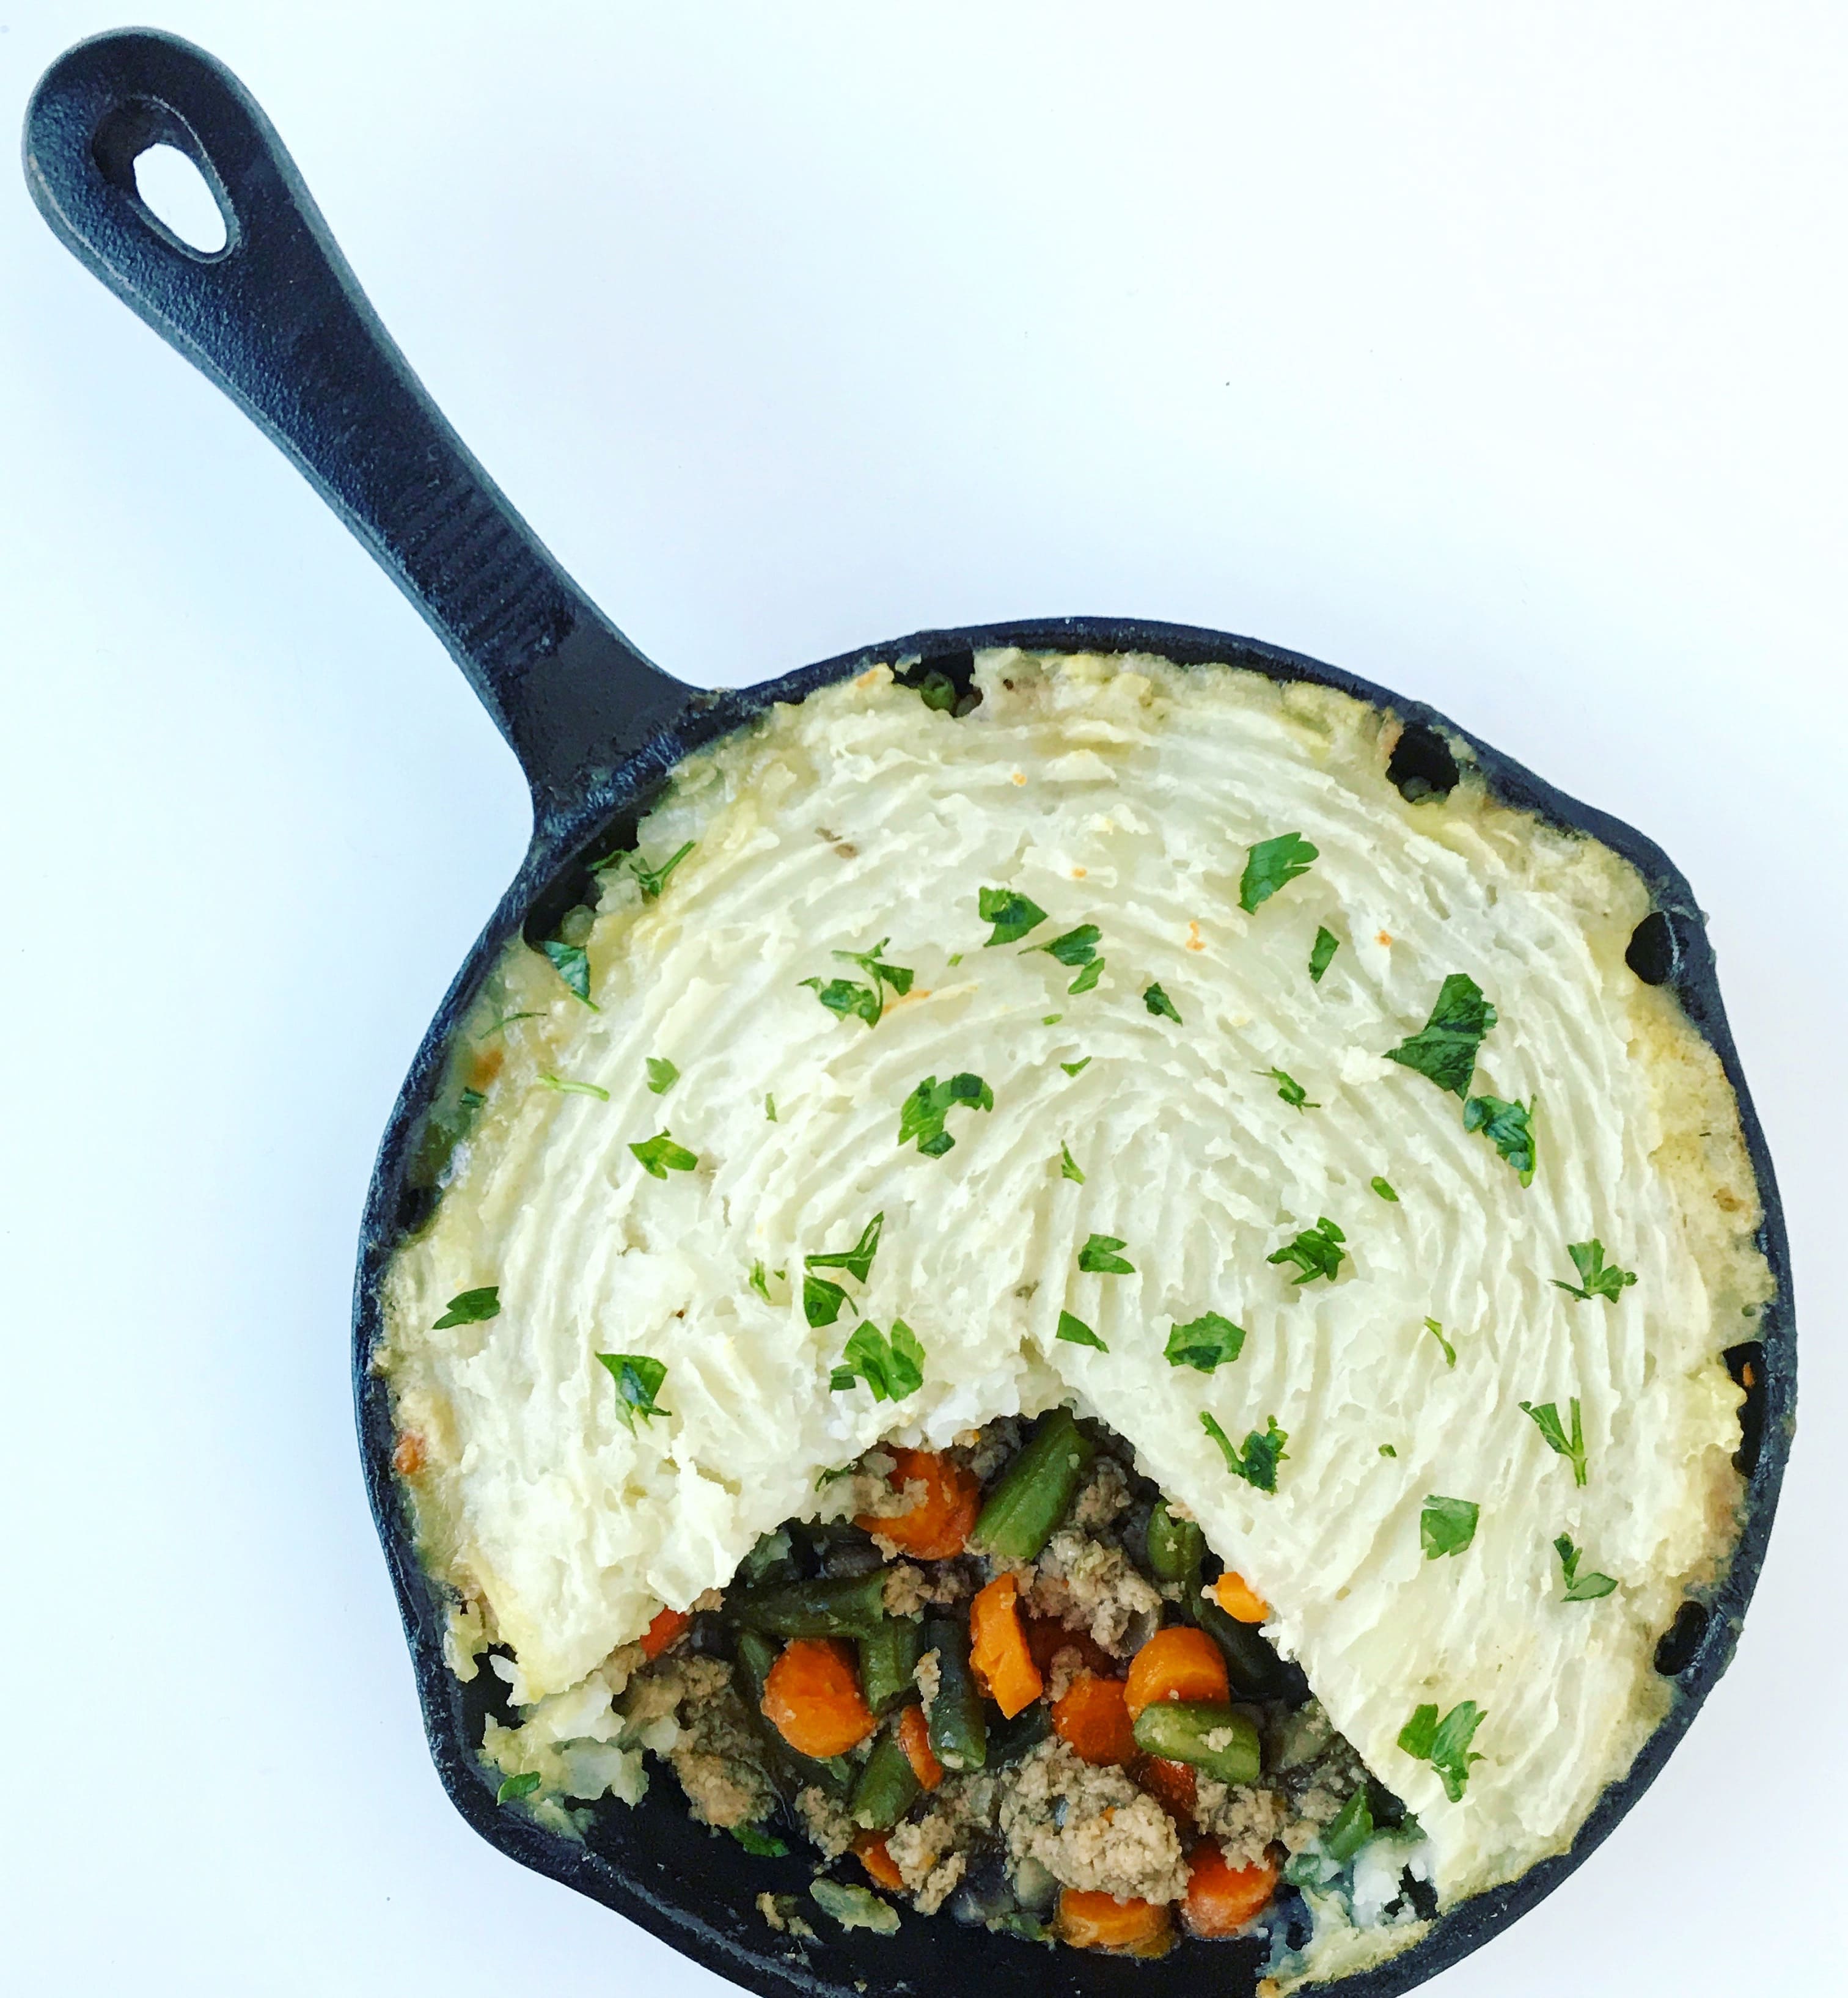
1127,794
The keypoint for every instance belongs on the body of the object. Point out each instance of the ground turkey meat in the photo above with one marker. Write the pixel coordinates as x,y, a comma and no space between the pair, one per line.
1243,1821
826,1822
1090,1585
928,1854
1091,1828
716,1754
1105,1494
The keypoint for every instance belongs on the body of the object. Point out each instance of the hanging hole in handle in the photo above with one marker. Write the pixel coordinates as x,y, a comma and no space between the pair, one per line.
174,192
149,152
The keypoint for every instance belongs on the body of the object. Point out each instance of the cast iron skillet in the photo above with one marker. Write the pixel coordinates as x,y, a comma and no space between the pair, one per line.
277,321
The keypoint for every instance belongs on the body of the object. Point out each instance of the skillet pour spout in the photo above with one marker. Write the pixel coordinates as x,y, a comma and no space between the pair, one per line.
277,320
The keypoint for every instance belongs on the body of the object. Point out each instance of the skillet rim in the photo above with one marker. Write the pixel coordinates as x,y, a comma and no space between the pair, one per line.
715,1929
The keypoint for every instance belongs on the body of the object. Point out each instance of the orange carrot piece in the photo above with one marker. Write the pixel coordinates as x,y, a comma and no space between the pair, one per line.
668,1625
407,1459
812,1698
1178,1663
1091,1718
998,1653
1223,1900
1047,1637
1240,1600
1100,1921
872,1852
937,1525
1172,1784
914,1738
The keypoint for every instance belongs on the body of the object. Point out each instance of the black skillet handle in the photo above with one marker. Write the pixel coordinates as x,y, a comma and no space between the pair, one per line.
277,320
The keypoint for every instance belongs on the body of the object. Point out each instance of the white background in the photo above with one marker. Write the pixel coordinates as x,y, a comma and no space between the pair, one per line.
1495,354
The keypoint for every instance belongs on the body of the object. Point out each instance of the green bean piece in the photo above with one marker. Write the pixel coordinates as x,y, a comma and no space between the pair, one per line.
847,1607
1025,1509
1009,1741
887,1787
755,1654
889,1657
959,1730
1176,1548
1253,1670
1210,1737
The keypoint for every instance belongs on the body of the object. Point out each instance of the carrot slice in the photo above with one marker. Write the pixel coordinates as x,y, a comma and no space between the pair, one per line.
938,1525
668,1625
1100,1921
811,1697
1003,1665
407,1459
872,1853
1178,1663
1223,1900
1172,1784
1093,1721
1240,1600
914,1738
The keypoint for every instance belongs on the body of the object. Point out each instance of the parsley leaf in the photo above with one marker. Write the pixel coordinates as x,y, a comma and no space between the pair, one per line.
1068,1166
1050,1019
1074,1331
1099,1257
661,1075
924,1110
1444,1744
1272,864
850,1001
1076,947
770,1107
1597,1279
471,1307
1321,954
1437,1333
1383,1188
1257,1463
573,963
1088,977
514,1787
872,963
856,1261
1386,1449
1012,915
1205,1342
821,1300
638,1381
1072,1068
754,1839
471,1099
759,1282
1579,1587
1157,1002
1316,1252
892,1368
506,1020
1546,1420
1444,1049
561,1087
1447,1525
1509,1127
659,1155
650,880
1291,1090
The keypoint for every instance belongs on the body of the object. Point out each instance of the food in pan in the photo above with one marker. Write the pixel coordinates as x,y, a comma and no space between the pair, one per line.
1137,1058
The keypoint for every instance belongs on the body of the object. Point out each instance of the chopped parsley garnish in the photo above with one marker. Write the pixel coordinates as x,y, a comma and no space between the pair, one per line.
1444,1049
755,1839
821,1300
865,1002
471,1099
1444,1744
1068,1166
1074,1331
1291,1090
1509,1127
573,964
955,957
1205,1342
650,880
1257,1463
1597,1279
1447,1525
759,1281
1099,1258
1581,1588
931,1102
514,1787
638,1381
856,1261
1050,1019
1316,1252
769,1106
660,1156
891,1367
562,1086
1078,948
1386,1449
1546,1420
1072,1068
1012,915
1383,1188
1437,1333
1157,1002
1088,977
1321,954
471,1307
1272,864
506,1020
662,1075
